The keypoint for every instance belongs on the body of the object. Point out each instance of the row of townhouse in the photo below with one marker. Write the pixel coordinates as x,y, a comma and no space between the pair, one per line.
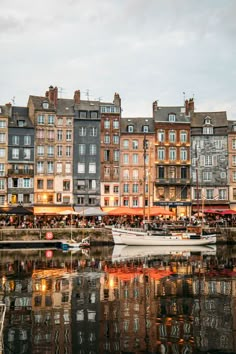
58,152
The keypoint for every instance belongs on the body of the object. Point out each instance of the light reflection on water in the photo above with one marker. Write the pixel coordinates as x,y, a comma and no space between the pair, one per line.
119,300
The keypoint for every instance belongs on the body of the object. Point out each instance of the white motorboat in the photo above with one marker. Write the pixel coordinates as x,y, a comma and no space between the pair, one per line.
140,237
76,245
123,252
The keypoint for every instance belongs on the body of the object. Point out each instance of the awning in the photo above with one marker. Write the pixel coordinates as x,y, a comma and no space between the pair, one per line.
53,210
211,207
90,211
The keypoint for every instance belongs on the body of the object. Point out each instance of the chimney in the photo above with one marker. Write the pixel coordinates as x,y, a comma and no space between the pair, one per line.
117,100
77,97
155,106
9,109
52,95
189,106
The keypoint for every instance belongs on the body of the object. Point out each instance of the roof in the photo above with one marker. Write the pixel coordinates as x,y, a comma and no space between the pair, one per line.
138,124
88,105
65,107
219,119
162,114
37,102
20,113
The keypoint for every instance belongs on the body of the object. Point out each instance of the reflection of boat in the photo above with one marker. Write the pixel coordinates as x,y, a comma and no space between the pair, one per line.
122,252
85,243
140,237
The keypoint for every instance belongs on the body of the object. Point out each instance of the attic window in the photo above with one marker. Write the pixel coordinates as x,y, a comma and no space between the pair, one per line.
21,123
45,105
172,117
145,128
130,128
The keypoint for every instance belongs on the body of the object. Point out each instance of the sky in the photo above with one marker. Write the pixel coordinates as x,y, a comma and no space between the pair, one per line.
165,50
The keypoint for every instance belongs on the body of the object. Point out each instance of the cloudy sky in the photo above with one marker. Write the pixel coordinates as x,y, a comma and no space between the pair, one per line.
144,50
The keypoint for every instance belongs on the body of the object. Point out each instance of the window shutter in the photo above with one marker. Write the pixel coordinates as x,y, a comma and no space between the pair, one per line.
10,183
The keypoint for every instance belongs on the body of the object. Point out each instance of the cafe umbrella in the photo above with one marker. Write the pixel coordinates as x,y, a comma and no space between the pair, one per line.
19,211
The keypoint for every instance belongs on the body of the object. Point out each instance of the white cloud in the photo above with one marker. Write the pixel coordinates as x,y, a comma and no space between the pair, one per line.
145,50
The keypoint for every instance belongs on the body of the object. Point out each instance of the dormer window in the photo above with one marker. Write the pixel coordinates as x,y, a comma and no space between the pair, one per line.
130,128
207,120
21,123
208,127
172,117
145,129
45,105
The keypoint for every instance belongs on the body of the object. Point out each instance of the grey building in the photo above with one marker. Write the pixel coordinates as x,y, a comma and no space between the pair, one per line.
20,158
209,153
86,150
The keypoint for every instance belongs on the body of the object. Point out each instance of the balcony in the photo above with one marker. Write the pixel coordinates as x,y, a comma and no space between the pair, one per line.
21,172
175,181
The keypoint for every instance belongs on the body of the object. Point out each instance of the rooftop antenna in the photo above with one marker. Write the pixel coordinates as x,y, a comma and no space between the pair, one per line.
87,94
61,90
184,96
13,100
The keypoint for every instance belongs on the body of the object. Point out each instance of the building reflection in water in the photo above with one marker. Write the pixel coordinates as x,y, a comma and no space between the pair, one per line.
86,304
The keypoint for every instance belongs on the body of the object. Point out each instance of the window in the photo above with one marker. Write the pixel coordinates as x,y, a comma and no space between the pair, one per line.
50,166
130,128
80,186
59,150
208,160
92,149
135,159
45,104
66,185
106,124
3,123
197,194
15,153
126,158
135,188
82,131
161,172
183,136
135,144
26,154
107,139
209,194
116,189
83,114
183,154
59,167
183,172
68,167
234,176
40,119
126,174
172,117
59,135
135,202
82,148
15,140
59,121
115,139
2,184
40,166
135,175
40,184
106,189
126,188
50,150
40,150
116,155
2,152
126,202
68,135
81,167
51,119
2,169
234,193
93,131
26,183
68,151
145,129
172,136
161,136
207,130
50,134
184,193
107,171
234,144
116,124
92,184
92,167
219,144
125,144
222,194
68,121
172,154
49,183
161,153
27,140
207,176
106,155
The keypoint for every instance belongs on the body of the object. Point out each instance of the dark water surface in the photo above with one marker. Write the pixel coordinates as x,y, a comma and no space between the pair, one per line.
121,300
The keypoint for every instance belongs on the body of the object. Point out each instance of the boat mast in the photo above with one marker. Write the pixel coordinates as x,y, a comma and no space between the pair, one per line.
144,174
197,182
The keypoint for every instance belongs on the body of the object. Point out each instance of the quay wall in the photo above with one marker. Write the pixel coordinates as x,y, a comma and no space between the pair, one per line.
97,235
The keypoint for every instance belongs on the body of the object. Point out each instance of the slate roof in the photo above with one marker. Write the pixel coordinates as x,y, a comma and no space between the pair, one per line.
162,114
38,103
20,113
65,106
219,119
88,105
4,111
138,123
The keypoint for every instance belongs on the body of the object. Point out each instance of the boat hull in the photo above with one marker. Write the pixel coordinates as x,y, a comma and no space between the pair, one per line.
140,238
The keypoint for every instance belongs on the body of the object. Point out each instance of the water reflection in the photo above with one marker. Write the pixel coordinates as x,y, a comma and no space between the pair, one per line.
103,301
